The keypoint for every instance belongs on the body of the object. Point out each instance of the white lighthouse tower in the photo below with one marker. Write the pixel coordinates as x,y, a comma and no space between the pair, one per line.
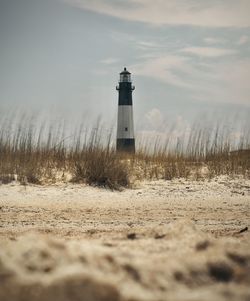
125,124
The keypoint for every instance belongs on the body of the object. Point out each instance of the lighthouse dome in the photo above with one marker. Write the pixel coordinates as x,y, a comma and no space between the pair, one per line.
125,71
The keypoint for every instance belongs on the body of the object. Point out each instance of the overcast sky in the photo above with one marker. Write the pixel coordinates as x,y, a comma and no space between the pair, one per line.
187,57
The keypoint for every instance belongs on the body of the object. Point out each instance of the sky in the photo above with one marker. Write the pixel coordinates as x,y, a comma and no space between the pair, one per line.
189,59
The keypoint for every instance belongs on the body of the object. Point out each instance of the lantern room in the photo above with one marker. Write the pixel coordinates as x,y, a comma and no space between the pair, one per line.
125,76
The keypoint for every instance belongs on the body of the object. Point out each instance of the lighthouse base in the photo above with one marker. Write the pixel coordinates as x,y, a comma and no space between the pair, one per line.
125,145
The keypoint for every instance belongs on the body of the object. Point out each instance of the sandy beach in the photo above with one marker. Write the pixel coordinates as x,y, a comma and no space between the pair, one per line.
161,240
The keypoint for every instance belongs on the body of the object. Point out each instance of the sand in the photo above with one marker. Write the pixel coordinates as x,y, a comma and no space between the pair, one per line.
161,240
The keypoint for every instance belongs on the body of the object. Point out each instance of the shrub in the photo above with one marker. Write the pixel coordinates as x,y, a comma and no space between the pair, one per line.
103,168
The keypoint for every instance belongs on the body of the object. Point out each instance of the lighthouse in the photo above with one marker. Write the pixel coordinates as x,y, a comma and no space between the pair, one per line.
125,124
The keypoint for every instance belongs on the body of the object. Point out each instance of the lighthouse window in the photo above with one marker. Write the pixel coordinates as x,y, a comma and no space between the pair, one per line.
125,78
126,129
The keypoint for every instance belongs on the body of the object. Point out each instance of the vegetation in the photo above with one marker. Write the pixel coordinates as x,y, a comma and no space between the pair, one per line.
40,153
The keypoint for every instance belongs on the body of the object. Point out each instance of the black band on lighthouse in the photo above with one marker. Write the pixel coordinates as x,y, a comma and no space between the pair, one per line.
125,94
125,145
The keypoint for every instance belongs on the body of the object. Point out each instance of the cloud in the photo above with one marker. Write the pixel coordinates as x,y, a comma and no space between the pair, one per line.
155,118
213,13
163,132
164,68
148,45
109,61
218,72
208,51
243,40
211,40
223,81
230,82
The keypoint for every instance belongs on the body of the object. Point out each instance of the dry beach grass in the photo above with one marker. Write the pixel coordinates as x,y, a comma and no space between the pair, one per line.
40,153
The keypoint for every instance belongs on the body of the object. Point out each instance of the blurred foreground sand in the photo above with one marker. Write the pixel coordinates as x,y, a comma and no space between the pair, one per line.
164,240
